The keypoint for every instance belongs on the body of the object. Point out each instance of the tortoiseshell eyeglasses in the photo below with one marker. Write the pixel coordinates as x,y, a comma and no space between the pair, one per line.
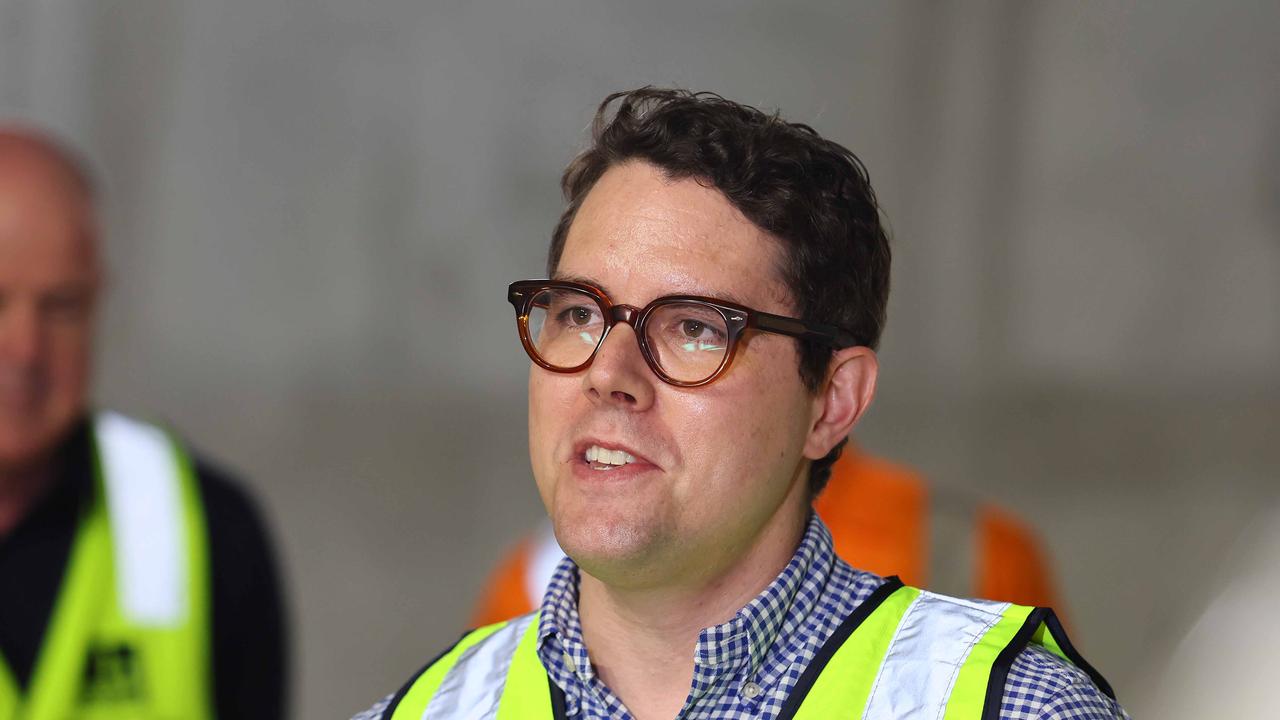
687,340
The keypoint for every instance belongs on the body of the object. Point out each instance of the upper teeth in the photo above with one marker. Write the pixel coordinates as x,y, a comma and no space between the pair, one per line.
595,453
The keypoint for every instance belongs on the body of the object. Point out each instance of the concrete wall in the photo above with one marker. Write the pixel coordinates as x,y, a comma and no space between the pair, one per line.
313,209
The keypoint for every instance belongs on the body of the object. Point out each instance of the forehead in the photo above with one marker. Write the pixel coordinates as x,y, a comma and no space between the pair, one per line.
45,216
640,235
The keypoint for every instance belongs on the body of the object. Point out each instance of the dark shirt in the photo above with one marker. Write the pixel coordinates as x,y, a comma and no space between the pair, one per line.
249,645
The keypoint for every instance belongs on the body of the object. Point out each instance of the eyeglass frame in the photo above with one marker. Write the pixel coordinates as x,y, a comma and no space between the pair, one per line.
738,319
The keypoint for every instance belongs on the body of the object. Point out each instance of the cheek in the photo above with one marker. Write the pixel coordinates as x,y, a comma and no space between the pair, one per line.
70,360
754,422
551,397
537,423
750,433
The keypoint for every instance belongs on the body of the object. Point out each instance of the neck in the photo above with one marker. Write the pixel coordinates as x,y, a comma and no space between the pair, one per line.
20,487
642,640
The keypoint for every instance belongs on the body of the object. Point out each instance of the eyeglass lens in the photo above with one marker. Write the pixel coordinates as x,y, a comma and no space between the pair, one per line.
687,340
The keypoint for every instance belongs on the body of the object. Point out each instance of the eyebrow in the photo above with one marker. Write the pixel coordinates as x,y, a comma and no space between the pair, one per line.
719,295
582,279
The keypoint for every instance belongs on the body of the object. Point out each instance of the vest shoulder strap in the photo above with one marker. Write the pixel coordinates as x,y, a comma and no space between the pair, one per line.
129,634
916,654
841,674
979,688
492,672
938,639
142,471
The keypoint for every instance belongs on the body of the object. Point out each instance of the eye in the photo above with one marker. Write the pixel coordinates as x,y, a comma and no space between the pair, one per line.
66,305
692,328
580,315
697,331
576,315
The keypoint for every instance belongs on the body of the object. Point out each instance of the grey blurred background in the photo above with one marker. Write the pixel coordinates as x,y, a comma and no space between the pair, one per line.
313,209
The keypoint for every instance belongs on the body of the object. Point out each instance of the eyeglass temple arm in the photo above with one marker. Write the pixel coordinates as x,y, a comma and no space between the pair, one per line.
803,329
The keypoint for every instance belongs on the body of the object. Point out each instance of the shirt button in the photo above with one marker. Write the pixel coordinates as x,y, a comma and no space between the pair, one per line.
751,691
568,660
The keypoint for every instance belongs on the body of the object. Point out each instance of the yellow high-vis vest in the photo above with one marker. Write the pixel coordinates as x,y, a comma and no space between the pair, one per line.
903,654
129,635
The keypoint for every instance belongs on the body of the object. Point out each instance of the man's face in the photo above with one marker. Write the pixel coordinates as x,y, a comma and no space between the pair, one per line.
48,282
715,465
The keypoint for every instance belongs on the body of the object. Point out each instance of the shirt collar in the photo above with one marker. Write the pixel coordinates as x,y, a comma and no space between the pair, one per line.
734,648
559,614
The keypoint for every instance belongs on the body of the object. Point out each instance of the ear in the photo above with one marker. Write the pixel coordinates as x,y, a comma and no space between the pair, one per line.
847,393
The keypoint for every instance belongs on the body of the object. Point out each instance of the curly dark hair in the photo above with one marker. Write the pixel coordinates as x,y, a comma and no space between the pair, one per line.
810,193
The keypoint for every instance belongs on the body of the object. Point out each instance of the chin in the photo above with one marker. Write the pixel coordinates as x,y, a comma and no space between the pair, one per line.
607,546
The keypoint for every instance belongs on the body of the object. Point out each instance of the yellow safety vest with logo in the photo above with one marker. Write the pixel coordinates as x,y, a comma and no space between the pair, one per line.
903,654
128,637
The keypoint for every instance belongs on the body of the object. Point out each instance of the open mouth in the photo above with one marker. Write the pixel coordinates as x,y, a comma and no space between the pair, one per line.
604,459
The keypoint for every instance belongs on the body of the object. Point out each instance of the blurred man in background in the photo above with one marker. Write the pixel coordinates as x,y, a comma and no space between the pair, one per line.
136,581
700,353
884,518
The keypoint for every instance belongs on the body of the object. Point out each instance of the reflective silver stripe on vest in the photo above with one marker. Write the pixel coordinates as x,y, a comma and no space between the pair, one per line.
953,541
931,643
473,686
144,499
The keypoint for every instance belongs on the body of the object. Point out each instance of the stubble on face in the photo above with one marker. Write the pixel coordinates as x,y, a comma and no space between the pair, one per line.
727,455
612,529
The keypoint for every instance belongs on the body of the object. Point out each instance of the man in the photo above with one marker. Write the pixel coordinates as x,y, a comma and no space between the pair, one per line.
883,517
702,351
135,580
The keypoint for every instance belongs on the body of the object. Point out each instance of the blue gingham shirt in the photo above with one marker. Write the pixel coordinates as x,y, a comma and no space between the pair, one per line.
746,667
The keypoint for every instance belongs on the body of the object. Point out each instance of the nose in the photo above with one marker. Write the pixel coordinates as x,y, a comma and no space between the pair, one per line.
618,374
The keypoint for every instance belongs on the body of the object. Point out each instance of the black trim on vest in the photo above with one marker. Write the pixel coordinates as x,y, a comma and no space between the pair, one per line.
395,700
833,643
1004,661
1060,635
558,710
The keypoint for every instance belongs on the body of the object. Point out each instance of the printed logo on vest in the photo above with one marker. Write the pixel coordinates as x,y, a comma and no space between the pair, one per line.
113,674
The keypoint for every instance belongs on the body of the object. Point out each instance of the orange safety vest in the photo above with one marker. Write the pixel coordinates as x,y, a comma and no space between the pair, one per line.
884,519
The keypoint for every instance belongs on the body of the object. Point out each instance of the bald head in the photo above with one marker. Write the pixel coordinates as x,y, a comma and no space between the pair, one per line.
41,180
19,142
49,278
